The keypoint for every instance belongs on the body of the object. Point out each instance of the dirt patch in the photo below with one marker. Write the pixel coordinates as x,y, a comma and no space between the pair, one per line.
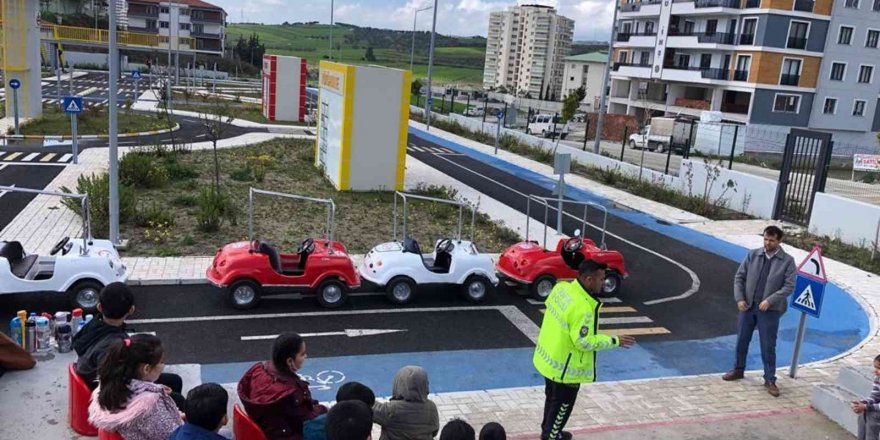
363,219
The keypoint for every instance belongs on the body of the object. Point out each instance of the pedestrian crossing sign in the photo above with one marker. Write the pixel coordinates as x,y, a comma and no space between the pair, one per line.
808,294
72,104
136,74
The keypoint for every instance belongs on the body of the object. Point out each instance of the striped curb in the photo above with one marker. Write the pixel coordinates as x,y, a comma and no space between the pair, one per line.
90,136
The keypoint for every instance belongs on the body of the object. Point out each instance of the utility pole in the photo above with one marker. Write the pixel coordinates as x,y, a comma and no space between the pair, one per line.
603,98
412,51
330,54
430,99
168,70
114,154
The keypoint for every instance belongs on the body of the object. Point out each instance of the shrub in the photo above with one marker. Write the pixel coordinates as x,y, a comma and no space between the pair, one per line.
185,200
157,232
98,190
241,175
153,215
213,208
141,170
179,171
259,166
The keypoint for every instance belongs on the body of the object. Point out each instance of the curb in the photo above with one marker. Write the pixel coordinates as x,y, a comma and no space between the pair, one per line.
90,136
168,282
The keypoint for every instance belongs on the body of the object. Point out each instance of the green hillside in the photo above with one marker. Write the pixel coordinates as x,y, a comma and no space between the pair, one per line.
456,59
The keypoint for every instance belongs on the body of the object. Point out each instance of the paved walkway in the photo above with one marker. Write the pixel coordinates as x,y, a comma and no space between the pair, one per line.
608,404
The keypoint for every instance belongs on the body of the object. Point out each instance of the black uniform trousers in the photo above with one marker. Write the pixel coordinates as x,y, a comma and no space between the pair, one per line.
559,401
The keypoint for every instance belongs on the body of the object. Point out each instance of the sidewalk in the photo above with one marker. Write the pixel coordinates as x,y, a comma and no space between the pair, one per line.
609,405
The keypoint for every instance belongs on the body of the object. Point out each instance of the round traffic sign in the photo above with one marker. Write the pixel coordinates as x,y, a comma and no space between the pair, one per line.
500,115
14,83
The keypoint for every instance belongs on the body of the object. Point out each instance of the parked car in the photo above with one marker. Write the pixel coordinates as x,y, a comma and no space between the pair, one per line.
474,111
661,134
579,117
548,126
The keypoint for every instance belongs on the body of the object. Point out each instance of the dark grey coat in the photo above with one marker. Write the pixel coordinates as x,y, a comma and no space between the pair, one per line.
780,281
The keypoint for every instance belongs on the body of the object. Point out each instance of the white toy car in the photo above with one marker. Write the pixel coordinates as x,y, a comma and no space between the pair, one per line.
400,267
80,267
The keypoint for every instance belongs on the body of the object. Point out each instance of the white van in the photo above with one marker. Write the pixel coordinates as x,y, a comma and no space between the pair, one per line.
545,124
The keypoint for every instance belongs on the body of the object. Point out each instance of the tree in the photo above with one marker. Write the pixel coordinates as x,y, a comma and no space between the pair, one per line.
213,125
502,90
570,106
581,93
369,56
416,87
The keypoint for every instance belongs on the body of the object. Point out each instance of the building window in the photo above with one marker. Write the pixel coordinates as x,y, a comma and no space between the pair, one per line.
649,26
830,106
711,27
743,62
866,74
859,107
184,11
786,103
747,36
844,35
838,71
163,9
791,72
797,34
644,59
152,10
621,57
873,38
705,61
877,5
151,24
852,4
184,26
163,24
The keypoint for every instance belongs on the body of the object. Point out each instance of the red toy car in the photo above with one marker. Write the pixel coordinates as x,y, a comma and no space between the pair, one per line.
529,264
249,269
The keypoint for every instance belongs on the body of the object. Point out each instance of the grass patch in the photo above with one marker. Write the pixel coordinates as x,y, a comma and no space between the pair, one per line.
246,111
90,122
363,219
834,248
656,191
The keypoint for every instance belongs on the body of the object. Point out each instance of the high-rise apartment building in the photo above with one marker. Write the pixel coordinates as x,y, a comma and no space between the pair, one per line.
525,50
774,63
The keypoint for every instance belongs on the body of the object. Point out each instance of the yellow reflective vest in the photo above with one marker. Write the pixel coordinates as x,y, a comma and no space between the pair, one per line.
568,342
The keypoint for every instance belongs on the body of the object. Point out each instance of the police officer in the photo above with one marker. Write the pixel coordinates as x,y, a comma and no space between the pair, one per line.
567,345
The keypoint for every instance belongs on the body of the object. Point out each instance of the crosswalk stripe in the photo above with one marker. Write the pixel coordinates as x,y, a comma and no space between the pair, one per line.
65,158
30,157
625,320
618,310
11,156
634,331
48,157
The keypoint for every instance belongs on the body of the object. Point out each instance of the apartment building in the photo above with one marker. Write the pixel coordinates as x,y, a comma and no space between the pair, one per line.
181,19
525,50
585,70
767,63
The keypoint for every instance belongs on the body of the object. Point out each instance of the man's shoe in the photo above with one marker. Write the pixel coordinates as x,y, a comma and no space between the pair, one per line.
772,388
564,435
734,374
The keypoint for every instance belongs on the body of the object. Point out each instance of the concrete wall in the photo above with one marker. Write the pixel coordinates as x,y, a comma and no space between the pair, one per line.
772,31
858,226
751,194
762,109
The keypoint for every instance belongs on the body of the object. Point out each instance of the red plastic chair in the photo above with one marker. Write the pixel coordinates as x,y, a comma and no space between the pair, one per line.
243,427
79,394
107,435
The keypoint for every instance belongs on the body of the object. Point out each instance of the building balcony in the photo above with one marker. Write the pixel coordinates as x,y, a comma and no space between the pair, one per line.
752,4
697,40
706,7
804,5
641,9
205,35
206,19
742,109
143,14
632,70
797,43
714,73
699,104
747,39
735,4
789,80
626,36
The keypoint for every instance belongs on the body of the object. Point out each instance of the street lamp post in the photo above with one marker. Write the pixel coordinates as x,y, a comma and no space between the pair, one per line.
114,154
330,54
429,101
603,99
413,50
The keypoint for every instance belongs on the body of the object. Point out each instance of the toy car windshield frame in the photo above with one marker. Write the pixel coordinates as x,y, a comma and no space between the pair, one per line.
331,210
546,202
84,205
461,205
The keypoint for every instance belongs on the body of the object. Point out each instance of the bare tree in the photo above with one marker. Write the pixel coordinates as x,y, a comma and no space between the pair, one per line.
214,124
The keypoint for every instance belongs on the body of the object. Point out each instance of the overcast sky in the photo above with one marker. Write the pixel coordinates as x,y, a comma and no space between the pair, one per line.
457,17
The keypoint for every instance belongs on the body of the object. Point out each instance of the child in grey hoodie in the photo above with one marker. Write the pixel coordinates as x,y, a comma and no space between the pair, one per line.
409,415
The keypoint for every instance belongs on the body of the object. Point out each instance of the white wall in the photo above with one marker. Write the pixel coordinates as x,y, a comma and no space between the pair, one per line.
754,195
854,222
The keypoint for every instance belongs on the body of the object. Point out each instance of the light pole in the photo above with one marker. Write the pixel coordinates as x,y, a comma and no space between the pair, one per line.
429,101
602,99
330,54
114,154
413,50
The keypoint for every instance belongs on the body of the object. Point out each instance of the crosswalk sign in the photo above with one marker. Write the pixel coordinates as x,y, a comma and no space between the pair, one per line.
807,296
136,74
72,104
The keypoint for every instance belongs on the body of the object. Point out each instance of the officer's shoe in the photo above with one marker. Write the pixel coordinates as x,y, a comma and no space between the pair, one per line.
564,435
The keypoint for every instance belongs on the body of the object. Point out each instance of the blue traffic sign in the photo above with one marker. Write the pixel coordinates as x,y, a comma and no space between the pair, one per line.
136,74
72,104
807,296
430,101
499,115
14,83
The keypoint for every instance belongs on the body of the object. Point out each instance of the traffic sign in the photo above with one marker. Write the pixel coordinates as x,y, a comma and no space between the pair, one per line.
813,266
14,83
808,294
499,115
430,101
72,104
136,74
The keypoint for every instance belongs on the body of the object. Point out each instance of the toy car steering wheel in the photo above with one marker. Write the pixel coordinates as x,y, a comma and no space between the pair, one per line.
60,245
445,245
307,246
573,244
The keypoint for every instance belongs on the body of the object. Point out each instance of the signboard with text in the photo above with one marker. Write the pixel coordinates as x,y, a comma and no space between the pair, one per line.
866,162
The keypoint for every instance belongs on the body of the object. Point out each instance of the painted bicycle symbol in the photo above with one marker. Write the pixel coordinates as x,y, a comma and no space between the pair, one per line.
324,380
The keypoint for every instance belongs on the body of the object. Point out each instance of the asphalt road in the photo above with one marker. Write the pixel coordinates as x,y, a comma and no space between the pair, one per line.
35,176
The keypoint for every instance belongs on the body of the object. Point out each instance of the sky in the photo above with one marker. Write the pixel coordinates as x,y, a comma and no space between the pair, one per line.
456,17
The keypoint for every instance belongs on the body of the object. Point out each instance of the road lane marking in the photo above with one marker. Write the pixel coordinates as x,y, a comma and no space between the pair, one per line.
351,333
65,158
30,157
12,156
634,331
48,157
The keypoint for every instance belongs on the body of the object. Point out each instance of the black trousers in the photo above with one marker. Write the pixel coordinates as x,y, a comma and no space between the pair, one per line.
558,403
174,382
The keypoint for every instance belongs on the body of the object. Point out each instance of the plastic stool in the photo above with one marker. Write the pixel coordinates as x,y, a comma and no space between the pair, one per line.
79,394
107,435
244,427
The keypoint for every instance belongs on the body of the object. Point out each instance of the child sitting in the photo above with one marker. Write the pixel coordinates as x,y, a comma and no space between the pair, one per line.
205,414
315,429
409,415
869,409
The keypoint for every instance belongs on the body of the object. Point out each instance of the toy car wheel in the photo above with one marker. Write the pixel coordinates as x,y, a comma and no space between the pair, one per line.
84,295
476,288
612,284
542,286
244,294
331,293
400,290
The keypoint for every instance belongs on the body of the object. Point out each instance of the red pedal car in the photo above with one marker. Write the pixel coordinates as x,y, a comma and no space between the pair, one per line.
247,270
530,265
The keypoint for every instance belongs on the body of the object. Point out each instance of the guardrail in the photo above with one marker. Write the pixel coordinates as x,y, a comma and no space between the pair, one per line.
102,36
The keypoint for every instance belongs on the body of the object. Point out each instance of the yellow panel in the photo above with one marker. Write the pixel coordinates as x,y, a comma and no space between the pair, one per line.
12,156
634,331
404,129
347,125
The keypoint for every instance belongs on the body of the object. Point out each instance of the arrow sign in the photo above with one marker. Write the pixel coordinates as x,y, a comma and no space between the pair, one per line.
14,83
3,193
351,333
813,266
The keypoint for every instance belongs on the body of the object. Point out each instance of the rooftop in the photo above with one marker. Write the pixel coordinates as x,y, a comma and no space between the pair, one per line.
191,3
591,57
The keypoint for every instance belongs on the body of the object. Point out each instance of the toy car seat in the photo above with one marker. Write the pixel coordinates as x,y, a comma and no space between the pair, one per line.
442,261
243,427
19,262
107,435
272,253
78,396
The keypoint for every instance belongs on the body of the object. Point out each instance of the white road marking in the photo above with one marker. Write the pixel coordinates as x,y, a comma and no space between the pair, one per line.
351,333
695,280
30,157
65,158
625,320
3,193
